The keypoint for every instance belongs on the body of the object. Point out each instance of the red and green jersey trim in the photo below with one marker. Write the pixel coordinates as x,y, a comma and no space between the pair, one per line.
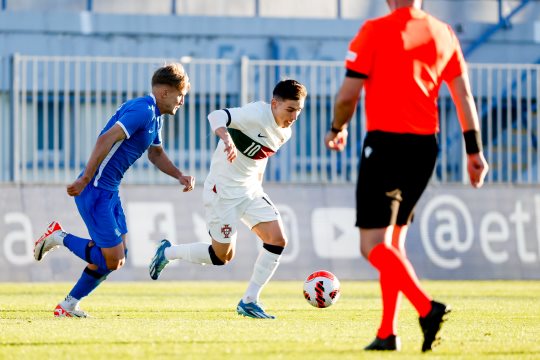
249,147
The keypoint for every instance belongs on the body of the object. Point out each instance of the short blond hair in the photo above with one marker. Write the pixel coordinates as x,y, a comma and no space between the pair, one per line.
172,74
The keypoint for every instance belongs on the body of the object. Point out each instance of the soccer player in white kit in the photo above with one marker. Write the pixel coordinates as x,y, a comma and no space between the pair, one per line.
233,190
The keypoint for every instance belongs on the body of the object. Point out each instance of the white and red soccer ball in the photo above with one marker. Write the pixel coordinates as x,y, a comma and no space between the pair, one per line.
322,289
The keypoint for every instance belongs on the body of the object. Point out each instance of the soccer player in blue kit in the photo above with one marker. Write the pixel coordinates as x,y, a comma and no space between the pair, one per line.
133,129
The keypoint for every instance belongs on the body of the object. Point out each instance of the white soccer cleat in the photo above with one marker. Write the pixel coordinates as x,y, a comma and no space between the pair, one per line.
47,242
59,311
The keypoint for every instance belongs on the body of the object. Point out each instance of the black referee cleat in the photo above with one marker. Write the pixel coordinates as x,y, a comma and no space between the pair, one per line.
391,342
431,324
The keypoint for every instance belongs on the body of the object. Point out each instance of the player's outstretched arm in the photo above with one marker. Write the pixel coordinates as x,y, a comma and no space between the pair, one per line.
159,158
103,145
477,166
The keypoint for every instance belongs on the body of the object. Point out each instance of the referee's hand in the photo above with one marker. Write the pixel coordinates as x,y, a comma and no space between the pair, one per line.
477,167
336,141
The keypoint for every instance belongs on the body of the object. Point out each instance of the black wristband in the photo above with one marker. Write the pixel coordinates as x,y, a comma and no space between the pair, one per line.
335,130
473,141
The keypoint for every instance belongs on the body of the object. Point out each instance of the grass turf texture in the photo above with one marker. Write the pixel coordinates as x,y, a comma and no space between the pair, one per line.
187,320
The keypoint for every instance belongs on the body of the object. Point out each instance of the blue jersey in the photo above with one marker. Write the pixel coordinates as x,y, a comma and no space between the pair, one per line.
141,121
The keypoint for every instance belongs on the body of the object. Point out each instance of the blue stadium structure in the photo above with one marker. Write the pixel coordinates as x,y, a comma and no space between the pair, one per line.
66,65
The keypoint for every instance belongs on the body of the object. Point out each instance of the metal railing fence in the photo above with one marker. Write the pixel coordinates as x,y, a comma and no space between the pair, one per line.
5,123
60,104
52,109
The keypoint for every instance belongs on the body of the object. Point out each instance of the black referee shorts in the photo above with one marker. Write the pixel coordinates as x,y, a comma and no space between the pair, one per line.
394,172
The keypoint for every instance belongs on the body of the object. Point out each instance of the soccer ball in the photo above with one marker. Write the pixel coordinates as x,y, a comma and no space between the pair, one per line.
322,289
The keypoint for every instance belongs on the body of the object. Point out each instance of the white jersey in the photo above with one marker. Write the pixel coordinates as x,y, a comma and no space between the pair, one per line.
256,136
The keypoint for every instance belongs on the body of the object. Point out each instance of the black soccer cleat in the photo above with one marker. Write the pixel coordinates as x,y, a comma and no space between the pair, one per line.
390,343
431,324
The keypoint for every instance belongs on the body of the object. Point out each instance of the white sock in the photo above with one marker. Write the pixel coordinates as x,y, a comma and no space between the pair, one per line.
265,267
69,303
195,252
59,236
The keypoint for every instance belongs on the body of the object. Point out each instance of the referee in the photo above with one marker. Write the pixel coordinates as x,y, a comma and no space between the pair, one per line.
401,61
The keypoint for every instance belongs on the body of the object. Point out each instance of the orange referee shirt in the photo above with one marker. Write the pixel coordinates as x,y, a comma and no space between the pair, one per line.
405,55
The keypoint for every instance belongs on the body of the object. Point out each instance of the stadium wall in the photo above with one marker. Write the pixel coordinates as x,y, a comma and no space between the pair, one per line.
173,36
458,233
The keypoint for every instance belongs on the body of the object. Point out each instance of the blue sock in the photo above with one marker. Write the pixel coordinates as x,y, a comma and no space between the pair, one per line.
89,280
76,245
92,255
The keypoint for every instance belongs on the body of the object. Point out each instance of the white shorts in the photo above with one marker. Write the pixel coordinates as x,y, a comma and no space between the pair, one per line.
223,215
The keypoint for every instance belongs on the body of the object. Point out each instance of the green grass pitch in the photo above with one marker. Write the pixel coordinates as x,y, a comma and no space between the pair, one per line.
198,320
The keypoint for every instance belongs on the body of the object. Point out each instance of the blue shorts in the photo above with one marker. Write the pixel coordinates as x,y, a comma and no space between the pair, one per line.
103,215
